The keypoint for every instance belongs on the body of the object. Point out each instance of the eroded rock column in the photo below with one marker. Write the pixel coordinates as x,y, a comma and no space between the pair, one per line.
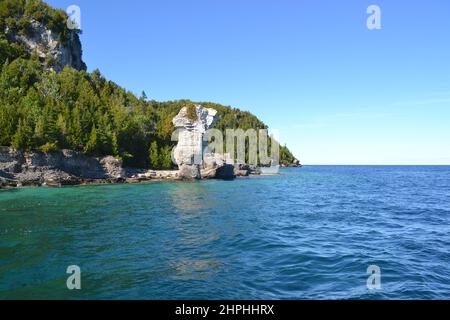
188,153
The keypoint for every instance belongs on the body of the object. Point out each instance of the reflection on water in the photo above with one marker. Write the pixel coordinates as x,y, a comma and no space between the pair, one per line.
195,229
308,233
190,197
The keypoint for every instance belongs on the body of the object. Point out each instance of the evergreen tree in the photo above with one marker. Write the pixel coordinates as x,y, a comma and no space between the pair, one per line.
154,156
91,147
21,139
143,96
166,158
44,110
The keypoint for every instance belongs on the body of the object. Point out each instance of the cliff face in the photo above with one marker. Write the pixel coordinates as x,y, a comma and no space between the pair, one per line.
53,53
61,168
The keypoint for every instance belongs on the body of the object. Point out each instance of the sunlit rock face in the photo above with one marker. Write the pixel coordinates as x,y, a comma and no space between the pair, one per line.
189,152
53,53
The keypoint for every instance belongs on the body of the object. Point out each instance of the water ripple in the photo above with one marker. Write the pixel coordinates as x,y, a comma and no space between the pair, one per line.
306,234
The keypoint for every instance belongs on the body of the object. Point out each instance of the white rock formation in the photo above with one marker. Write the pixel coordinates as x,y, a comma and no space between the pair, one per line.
189,150
189,153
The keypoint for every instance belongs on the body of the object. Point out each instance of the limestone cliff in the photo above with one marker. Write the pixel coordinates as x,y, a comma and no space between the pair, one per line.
60,168
53,52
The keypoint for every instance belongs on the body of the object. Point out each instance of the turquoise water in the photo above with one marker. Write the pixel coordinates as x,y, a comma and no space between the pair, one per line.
309,233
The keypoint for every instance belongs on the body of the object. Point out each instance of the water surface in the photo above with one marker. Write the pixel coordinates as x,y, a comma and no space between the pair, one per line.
309,233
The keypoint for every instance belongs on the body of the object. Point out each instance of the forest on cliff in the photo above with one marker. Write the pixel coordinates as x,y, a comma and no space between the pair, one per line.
75,109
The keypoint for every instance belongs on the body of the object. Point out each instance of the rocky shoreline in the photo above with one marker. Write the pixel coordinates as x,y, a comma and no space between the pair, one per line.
69,168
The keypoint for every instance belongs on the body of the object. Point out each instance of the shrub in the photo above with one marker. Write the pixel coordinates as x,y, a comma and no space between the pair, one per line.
49,147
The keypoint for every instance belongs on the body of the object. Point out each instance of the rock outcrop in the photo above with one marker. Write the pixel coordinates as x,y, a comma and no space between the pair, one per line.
216,167
295,164
53,53
59,168
245,170
189,152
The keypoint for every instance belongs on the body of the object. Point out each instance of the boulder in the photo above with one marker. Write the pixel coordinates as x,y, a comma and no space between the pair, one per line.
244,170
296,163
189,172
11,161
215,167
112,167
225,172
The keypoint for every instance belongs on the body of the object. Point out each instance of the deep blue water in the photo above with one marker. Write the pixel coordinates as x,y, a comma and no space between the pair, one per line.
308,233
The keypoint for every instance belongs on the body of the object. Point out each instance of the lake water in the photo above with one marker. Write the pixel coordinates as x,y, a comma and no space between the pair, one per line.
309,233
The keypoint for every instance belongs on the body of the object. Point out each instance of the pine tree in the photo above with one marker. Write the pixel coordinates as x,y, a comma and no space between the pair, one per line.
84,111
39,132
166,158
21,139
154,156
143,96
75,131
91,147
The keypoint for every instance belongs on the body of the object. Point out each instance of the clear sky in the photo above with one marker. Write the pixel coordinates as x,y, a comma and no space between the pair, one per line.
338,92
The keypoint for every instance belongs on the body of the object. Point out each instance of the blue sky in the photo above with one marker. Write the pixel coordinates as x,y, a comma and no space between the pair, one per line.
337,92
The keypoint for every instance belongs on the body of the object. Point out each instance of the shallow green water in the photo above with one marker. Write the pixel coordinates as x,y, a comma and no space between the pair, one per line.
308,233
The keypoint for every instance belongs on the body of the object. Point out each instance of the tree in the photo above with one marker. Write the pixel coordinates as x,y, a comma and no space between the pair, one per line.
143,96
154,156
39,132
91,147
21,139
42,109
75,131
8,123
166,158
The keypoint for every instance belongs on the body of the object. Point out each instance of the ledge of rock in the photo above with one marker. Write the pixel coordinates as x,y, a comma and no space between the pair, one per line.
65,167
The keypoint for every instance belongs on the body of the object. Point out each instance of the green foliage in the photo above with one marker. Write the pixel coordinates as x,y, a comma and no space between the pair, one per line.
92,144
191,111
46,111
166,157
49,147
154,155
11,51
16,16
21,139
286,156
